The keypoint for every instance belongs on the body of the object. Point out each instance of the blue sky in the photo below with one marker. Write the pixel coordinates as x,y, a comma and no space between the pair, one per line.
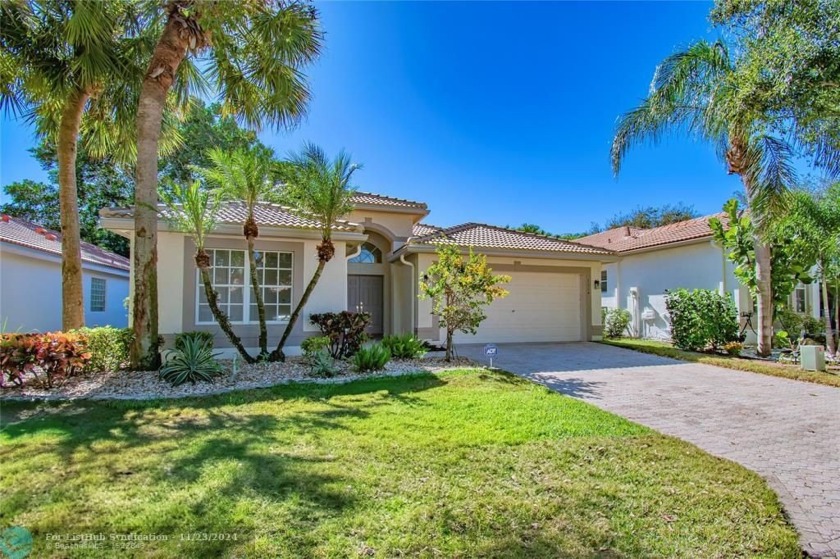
492,111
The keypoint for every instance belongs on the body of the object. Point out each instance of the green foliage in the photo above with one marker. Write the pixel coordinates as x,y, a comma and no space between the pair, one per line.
652,216
701,318
314,344
791,258
733,348
404,346
205,338
48,358
108,348
194,361
322,364
345,330
615,322
460,287
371,358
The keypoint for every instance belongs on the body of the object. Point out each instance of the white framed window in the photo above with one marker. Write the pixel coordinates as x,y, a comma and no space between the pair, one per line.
97,294
800,303
603,281
369,254
231,279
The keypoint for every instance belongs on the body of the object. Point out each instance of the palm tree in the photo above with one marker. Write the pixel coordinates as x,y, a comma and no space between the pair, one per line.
71,67
194,210
247,176
318,188
254,61
697,91
816,218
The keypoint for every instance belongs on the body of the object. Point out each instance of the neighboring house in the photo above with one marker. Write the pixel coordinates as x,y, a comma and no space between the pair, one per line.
30,280
670,257
382,251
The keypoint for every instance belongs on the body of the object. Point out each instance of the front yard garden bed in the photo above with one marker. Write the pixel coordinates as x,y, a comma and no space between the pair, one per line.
467,463
146,385
749,364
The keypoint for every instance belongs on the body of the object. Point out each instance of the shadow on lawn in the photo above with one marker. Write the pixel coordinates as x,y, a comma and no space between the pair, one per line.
215,453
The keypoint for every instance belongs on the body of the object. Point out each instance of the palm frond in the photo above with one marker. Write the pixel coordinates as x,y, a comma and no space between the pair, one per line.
770,177
191,209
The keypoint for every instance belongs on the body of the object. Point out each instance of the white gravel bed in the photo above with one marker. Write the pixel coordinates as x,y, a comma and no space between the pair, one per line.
145,385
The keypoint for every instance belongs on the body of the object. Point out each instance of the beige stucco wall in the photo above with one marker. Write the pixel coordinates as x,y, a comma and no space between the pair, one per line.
400,224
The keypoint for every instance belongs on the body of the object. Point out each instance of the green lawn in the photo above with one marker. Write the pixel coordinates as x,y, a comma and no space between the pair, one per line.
729,362
462,464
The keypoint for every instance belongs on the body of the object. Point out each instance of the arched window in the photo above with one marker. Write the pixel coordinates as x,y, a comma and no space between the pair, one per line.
369,255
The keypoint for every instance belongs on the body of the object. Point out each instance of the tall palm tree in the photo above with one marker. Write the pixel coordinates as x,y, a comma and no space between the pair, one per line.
194,210
71,67
316,187
697,91
246,176
255,62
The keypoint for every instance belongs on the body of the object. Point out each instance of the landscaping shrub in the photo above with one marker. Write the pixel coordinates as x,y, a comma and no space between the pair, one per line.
345,329
733,348
204,337
193,361
404,346
701,318
372,358
108,347
50,358
615,322
322,364
315,344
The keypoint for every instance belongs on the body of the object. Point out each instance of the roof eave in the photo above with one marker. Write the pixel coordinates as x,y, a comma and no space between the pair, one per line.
410,248
124,226
417,211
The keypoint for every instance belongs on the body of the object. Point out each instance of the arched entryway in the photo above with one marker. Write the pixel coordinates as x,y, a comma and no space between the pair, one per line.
368,283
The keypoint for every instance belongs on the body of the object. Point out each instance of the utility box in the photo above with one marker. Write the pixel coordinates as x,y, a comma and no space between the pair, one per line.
812,358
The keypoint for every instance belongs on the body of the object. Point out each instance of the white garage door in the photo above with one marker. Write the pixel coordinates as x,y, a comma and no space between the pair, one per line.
541,307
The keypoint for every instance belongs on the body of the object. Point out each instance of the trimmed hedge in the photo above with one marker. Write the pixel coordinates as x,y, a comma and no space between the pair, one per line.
108,346
701,318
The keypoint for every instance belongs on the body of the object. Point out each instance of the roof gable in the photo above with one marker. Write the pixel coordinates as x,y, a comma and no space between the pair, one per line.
624,239
481,235
27,234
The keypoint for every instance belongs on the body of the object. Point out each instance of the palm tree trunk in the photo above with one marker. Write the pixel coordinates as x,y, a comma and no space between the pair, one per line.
765,296
837,305
167,56
220,316
277,354
829,334
255,285
72,291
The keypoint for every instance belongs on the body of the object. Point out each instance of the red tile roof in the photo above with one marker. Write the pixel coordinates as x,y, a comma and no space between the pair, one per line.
270,215
624,239
370,199
480,235
27,234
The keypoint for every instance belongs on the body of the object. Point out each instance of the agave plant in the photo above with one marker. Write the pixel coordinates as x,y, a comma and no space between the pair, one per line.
194,361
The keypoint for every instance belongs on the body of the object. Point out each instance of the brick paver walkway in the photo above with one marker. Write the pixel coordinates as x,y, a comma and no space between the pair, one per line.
787,431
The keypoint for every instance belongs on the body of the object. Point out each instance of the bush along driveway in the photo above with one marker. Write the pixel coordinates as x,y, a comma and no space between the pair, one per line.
461,464
787,431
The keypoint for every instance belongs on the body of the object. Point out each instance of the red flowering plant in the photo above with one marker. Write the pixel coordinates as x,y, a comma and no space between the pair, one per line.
46,359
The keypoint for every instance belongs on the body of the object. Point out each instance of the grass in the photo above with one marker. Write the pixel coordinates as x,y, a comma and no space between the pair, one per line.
729,362
463,464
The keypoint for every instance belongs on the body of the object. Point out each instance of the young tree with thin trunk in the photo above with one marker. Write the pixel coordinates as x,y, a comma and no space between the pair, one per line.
460,286
246,176
70,67
317,188
194,210
254,61
696,91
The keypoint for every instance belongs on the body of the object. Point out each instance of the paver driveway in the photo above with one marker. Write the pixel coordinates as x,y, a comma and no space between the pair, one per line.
788,431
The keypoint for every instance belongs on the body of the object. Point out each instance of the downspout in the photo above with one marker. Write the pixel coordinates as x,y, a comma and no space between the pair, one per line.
413,295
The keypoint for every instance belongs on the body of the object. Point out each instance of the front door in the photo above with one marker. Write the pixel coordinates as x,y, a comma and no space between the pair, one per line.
365,294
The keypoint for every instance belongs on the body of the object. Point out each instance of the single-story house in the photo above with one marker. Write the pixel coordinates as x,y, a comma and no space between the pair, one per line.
682,254
384,250
30,280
